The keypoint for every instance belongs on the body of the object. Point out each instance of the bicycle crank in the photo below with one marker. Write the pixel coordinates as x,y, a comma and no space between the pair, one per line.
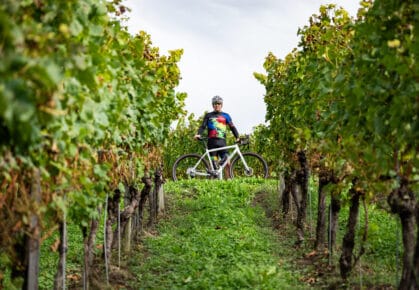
191,172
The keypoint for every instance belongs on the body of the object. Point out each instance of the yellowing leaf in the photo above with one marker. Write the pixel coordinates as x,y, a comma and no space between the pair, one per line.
393,43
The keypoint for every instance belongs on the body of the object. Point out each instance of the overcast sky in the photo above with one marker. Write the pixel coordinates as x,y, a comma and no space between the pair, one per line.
224,42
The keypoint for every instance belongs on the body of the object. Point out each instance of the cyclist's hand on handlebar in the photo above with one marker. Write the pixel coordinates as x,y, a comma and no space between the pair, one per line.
197,137
238,140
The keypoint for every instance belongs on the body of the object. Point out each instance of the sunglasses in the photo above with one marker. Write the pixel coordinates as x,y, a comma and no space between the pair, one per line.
217,104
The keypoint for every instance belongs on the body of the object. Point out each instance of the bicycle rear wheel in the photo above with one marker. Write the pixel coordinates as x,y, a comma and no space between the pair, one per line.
183,167
257,166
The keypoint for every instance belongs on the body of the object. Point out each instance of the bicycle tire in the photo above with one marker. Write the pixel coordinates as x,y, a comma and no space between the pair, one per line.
258,165
186,161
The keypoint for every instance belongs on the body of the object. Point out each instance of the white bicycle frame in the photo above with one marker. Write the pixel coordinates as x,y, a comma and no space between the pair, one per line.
218,172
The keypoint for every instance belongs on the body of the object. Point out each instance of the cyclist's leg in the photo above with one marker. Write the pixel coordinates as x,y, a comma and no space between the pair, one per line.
212,144
214,159
222,155
223,158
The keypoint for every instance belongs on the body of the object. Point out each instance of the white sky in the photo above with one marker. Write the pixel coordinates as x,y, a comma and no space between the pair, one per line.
224,42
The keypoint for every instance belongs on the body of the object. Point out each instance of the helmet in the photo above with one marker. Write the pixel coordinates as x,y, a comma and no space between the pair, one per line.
217,99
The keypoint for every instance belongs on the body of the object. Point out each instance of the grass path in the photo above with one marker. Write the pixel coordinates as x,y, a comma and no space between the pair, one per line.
213,237
230,235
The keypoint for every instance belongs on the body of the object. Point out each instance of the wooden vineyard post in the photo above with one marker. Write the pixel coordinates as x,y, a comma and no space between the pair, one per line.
160,191
33,239
128,236
154,201
160,199
157,184
145,192
59,280
128,232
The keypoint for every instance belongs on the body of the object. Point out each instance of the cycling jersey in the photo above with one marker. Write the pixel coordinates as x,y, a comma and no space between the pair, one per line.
217,123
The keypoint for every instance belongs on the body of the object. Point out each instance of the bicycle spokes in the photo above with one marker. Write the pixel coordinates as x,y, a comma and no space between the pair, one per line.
256,166
193,165
189,167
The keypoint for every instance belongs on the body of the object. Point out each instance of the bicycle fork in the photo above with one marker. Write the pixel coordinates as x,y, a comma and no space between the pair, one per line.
248,170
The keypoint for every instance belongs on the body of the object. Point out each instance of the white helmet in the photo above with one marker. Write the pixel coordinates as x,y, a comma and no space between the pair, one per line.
217,99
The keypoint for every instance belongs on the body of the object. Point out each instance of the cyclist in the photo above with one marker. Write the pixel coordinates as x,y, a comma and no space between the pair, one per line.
217,122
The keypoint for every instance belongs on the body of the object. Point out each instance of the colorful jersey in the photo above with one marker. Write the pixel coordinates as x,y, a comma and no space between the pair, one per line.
217,123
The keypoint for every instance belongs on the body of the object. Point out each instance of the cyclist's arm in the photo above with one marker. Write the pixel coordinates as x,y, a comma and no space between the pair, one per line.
202,127
235,132
233,128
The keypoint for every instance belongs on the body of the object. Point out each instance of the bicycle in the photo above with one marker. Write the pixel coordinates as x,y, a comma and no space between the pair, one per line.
193,165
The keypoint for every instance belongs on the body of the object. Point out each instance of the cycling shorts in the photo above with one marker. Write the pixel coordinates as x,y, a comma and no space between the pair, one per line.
217,143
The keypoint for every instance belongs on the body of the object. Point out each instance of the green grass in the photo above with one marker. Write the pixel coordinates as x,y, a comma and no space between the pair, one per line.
212,238
50,256
380,265
220,235
74,257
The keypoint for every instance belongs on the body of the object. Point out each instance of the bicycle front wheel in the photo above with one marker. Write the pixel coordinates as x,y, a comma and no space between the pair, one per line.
184,167
257,166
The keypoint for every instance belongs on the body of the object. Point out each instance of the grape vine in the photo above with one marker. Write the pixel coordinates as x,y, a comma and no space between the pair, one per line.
347,100
74,83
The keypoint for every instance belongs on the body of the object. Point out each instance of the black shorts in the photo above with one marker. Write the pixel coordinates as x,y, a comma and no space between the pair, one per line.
217,143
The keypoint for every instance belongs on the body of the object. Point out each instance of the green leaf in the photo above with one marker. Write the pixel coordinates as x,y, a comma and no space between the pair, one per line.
75,27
